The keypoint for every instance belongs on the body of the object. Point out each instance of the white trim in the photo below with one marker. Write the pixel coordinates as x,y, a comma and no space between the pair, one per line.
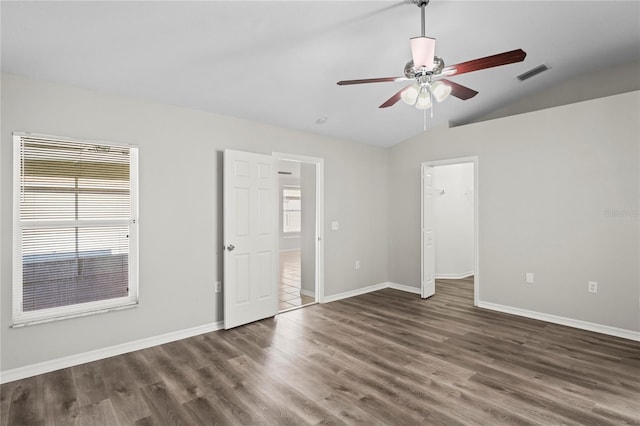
403,287
356,292
16,261
67,139
307,293
118,307
371,288
95,355
583,325
453,276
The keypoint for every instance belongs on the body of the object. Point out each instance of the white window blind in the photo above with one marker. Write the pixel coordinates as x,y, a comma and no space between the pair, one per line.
75,231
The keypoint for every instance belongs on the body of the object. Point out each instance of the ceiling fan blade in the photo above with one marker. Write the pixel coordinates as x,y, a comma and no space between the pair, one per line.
459,91
395,98
370,80
423,49
505,58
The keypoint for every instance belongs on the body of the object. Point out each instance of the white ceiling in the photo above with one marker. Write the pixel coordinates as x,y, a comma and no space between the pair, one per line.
278,62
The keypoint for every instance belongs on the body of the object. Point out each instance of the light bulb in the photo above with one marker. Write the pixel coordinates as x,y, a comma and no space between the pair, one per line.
424,100
410,94
440,90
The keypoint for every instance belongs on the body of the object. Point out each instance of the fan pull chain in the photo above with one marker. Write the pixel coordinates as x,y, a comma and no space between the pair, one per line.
424,114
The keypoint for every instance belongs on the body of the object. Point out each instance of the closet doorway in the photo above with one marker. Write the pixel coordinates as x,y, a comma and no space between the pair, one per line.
300,248
449,240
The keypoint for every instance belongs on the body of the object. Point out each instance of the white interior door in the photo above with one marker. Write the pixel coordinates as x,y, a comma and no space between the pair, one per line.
428,284
250,237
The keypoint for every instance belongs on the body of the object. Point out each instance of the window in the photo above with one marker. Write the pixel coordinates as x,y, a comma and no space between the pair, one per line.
291,209
75,228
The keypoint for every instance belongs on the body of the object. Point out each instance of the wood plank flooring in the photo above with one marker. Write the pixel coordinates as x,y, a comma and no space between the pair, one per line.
386,357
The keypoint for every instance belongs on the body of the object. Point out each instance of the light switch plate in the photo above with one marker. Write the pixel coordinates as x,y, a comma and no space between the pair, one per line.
529,277
335,225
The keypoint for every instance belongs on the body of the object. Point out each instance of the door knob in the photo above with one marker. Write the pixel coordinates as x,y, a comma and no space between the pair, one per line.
230,247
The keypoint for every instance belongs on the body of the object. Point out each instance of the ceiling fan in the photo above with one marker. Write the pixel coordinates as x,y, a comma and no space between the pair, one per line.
427,71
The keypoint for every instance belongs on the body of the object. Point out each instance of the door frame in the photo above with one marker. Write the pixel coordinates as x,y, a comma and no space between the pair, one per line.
476,216
319,237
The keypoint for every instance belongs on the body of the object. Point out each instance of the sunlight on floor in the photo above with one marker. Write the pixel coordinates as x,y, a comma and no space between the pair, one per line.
290,281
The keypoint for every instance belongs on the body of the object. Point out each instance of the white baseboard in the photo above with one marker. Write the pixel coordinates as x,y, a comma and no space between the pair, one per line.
403,287
307,293
356,292
453,276
369,289
69,361
583,325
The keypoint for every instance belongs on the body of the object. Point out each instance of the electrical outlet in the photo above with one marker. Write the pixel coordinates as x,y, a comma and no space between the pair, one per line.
218,286
357,264
593,287
529,277
335,225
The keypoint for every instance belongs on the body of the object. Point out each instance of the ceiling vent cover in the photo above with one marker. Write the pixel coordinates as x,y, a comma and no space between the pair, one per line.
533,71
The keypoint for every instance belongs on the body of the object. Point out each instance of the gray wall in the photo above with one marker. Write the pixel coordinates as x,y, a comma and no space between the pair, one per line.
180,209
453,216
559,197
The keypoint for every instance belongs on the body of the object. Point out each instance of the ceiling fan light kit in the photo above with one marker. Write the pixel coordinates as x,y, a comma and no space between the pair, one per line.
427,70
420,95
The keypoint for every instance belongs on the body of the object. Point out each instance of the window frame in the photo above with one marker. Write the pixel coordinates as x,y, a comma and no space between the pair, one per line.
21,318
284,211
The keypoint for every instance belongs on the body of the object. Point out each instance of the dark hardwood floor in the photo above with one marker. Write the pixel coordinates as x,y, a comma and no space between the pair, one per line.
382,358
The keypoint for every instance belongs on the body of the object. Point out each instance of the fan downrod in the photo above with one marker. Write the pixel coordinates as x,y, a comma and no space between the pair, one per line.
421,4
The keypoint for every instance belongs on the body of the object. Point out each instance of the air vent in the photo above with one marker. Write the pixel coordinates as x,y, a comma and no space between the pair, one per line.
533,71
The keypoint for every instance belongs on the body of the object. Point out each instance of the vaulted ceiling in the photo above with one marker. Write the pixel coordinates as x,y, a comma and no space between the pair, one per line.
278,62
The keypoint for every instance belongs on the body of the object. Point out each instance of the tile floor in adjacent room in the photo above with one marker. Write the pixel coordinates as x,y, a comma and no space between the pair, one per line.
290,279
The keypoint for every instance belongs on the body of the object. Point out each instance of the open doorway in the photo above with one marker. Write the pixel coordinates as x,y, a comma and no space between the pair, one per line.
450,226
299,239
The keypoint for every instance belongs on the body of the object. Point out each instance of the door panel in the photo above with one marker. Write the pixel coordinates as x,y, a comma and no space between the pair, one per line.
265,261
250,238
242,278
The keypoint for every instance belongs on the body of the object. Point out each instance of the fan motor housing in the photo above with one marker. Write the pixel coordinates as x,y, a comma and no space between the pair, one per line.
411,72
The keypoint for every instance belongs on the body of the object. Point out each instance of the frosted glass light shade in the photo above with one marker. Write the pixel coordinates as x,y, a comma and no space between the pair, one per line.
440,90
410,95
424,100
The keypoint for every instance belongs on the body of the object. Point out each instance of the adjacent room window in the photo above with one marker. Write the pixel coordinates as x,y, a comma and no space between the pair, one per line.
75,228
291,219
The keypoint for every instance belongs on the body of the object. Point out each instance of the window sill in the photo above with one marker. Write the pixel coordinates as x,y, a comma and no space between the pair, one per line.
27,323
